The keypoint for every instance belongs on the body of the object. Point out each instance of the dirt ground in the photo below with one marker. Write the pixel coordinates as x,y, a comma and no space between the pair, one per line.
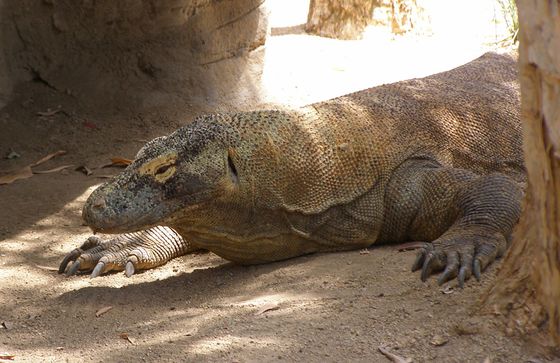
325,307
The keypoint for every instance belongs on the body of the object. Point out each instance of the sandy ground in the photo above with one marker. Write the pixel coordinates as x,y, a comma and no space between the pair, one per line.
328,307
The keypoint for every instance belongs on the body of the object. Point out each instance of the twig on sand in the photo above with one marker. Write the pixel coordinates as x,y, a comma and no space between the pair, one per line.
393,357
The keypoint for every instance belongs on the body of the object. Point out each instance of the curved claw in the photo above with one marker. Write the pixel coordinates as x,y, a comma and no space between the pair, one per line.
477,270
465,271
70,257
464,275
451,269
427,267
419,261
129,269
98,270
421,257
433,262
74,268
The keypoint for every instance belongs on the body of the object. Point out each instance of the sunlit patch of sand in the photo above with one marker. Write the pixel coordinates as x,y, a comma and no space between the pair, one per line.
300,69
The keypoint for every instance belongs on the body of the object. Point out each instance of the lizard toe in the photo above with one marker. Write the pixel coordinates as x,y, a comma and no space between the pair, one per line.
90,244
451,269
70,257
477,270
421,256
129,269
133,262
74,268
435,261
98,269
109,262
486,252
465,271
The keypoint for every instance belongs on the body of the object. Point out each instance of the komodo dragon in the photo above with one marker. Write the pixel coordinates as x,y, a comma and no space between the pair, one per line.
437,159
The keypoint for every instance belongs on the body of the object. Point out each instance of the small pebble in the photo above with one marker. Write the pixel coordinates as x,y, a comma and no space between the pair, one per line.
439,340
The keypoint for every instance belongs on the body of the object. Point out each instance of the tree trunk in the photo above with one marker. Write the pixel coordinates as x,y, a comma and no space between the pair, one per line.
341,19
404,16
527,288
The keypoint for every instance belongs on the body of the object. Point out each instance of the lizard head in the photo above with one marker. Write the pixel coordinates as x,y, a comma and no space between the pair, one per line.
170,177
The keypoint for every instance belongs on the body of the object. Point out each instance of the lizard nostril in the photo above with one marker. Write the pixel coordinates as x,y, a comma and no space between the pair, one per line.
99,203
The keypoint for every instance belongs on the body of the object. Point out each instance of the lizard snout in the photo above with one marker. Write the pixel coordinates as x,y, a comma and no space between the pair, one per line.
95,210
112,210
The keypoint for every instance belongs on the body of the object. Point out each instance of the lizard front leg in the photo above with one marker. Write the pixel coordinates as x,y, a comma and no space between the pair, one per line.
130,252
466,219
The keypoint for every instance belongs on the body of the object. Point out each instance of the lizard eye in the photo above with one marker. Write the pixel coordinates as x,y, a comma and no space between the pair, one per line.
162,169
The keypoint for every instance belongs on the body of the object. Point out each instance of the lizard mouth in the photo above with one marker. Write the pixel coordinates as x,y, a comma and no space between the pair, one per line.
109,210
115,226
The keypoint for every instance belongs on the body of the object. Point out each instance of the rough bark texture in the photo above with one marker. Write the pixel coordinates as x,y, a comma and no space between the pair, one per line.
143,53
342,19
527,290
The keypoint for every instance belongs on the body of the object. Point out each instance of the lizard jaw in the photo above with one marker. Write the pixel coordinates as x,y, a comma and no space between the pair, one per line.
109,211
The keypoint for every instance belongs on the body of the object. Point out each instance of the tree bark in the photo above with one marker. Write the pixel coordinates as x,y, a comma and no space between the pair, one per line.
527,288
404,16
341,19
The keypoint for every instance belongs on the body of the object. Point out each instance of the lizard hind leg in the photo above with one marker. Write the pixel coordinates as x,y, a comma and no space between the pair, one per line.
464,218
130,252
489,206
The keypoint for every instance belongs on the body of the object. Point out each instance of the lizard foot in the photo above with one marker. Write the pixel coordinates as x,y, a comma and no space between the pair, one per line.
129,252
460,256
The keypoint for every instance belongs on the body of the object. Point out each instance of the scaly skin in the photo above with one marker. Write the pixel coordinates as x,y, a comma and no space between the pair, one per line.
436,159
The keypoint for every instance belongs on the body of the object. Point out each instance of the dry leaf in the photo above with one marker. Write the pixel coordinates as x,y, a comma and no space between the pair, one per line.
268,307
409,246
47,268
102,311
117,162
447,290
48,157
26,172
393,357
22,173
7,356
120,161
84,169
89,125
125,336
49,112
12,155
53,170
